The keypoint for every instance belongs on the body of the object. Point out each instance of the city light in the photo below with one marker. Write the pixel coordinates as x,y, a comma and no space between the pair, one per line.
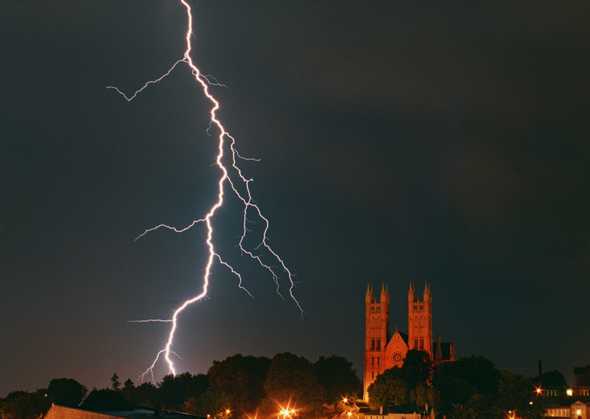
287,411
569,392
538,391
345,400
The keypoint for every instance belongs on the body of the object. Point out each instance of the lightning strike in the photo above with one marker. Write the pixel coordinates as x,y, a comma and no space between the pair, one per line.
241,190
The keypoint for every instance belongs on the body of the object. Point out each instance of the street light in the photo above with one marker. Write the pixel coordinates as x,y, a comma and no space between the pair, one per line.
287,412
569,392
538,391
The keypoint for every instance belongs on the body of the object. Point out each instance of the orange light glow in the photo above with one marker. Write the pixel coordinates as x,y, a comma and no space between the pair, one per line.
287,411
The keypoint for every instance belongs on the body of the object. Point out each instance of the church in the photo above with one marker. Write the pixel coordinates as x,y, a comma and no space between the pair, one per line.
385,349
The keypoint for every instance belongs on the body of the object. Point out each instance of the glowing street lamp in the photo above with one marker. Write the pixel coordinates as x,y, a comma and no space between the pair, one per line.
569,392
286,412
538,391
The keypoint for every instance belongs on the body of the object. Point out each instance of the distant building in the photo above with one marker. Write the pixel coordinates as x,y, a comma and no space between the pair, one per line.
576,410
62,412
393,415
384,350
363,411
563,394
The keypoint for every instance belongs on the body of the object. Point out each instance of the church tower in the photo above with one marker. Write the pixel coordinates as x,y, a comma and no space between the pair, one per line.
420,320
376,330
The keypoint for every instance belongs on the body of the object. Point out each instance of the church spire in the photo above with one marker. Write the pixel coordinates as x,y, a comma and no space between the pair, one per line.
384,295
427,294
369,294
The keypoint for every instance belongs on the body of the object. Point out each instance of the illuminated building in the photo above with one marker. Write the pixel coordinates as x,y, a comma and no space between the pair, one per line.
63,412
383,349
577,410
579,391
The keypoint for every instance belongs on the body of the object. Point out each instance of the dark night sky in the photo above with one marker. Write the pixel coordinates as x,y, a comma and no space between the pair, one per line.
440,141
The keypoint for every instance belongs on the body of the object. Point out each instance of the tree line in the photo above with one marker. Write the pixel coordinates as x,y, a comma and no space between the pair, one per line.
240,386
469,388
237,386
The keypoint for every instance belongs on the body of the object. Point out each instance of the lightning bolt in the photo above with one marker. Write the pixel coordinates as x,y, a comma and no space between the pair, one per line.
241,190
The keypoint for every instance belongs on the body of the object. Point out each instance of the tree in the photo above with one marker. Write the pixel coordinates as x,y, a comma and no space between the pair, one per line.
128,390
115,383
208,403
407,385
457,383
128,385
174,391
552,379
468,376
105,400
146,395
514,393
24,405
292,378
474,388
476,407
417,368
390,388
242,377
480,373
338,378
422,395
66,391
451,390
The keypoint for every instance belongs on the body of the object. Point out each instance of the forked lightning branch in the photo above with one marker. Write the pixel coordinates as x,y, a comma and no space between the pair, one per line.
231,180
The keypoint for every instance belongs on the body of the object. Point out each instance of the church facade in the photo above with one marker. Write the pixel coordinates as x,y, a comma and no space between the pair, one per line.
385,349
